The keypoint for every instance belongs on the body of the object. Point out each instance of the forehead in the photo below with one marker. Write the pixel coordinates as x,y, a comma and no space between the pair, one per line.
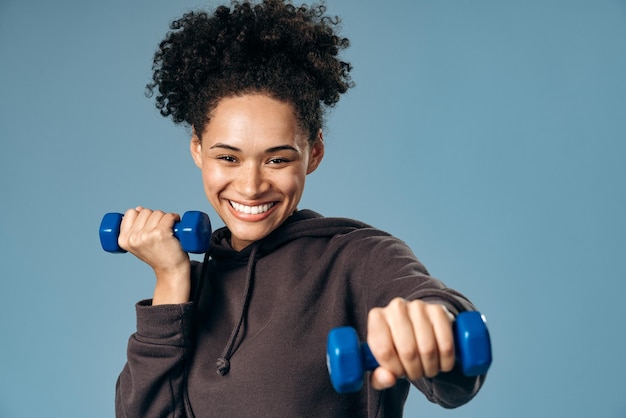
250,114
255,124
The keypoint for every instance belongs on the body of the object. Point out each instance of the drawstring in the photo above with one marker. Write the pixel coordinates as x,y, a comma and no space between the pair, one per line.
223,362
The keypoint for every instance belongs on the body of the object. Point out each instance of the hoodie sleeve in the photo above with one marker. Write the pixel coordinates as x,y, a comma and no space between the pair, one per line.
394,271
151,383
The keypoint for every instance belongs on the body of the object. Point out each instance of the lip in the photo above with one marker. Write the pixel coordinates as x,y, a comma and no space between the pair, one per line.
254,215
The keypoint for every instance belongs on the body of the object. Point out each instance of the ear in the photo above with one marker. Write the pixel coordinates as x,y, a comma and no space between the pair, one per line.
195,146
316,153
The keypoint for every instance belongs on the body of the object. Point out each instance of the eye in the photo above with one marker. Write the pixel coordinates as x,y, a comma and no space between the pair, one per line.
227,158
278,160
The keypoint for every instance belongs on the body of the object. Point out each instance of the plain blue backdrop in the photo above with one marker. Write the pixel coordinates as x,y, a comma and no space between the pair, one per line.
488,134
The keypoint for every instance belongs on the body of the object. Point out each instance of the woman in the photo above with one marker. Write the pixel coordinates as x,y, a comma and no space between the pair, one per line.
243,333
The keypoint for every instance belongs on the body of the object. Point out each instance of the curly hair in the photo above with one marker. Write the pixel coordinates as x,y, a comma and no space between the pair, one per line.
290,53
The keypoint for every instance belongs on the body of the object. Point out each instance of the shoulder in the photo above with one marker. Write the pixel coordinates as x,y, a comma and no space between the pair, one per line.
350,237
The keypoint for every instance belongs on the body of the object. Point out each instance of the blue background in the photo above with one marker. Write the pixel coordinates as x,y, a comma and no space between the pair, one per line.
488,134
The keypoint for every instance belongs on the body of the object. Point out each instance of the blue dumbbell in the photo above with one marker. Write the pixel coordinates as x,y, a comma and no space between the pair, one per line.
193,231
348,360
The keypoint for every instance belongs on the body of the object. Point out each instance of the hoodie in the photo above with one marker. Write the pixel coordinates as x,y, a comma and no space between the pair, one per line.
251,342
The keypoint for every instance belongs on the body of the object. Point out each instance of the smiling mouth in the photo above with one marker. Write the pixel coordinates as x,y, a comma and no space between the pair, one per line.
251,210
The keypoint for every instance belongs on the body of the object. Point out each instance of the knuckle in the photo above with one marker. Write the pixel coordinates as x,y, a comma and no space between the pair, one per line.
133,241
415,371
384,352
397,307
376,314
436,310
408,353
156,235
416,306
428,350
398,303
446,349
122,241
430,361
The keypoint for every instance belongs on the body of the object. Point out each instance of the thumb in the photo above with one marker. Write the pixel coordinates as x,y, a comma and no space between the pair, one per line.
382,379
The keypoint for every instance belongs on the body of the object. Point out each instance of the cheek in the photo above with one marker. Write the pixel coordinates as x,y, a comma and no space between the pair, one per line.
212,179
293,184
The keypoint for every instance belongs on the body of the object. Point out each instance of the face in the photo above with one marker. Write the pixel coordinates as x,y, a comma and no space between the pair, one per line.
254,160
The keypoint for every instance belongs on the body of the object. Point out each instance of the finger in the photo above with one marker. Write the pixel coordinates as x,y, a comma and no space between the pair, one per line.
138,233
158,227
129,218
163,222
428,356
168,220
128,221
140,219
406,320
152,220
380,341
442,326
382,379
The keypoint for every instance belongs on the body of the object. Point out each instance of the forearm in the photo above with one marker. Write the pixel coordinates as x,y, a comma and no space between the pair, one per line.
152,381
402,276
172,287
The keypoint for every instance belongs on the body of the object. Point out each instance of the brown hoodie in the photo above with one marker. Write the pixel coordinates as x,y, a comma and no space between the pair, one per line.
251,343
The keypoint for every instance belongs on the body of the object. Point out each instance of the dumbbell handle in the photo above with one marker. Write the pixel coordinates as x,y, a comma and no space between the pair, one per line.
472,346
193,231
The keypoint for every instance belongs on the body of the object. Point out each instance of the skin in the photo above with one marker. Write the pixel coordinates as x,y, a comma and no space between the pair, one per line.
254,159
409,339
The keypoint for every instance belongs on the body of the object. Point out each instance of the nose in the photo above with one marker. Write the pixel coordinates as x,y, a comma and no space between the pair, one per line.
251,182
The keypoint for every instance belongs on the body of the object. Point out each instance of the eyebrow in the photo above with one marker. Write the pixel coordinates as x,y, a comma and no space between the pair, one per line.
269,150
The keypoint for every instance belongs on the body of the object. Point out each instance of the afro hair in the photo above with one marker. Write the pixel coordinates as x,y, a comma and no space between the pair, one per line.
275,48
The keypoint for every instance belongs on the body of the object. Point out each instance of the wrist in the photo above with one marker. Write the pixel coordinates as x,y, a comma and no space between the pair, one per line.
172,286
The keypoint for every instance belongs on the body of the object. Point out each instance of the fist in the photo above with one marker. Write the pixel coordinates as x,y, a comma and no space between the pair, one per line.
410,339
149,236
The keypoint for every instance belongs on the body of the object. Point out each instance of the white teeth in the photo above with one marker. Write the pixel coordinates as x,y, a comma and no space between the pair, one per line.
254,210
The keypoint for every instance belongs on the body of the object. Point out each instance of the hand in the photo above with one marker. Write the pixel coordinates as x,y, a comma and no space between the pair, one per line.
411,339
149,236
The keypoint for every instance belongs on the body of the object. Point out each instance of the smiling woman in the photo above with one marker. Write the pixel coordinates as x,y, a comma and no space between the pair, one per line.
254,160
252,82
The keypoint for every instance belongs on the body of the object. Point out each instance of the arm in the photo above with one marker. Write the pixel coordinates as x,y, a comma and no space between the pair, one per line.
152,381
409,326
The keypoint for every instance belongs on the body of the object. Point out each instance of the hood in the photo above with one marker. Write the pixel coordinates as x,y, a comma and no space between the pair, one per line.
303,223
